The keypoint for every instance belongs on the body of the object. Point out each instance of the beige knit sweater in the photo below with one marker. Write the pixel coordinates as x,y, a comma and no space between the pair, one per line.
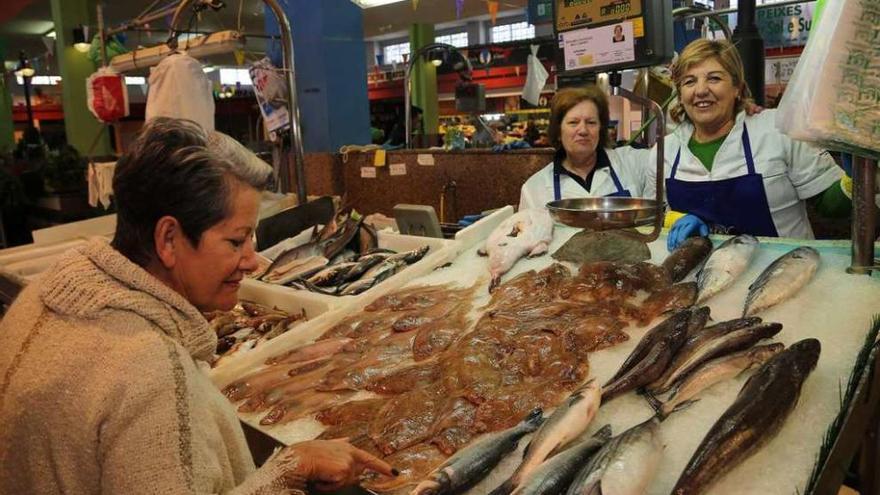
100,391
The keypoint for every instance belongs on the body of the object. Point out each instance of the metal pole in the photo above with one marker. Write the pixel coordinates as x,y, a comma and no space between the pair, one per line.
750,45
103,48
864,216
26,80
406,92
295,131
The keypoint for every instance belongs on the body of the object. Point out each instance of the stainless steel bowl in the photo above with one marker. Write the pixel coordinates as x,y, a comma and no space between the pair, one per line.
605,213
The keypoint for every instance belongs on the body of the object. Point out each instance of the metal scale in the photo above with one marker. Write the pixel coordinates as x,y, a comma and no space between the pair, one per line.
610,36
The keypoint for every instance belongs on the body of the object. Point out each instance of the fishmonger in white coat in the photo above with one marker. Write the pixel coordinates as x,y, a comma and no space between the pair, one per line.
583,167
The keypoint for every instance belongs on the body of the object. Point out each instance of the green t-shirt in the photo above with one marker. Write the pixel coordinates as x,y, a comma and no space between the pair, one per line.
705,152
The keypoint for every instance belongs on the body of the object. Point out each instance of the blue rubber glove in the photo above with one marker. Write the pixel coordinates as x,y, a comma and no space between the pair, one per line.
686,226
846,163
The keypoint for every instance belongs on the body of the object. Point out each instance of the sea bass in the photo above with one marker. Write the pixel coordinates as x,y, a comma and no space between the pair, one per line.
567,422
782,279
554,475
527,232
686,257
725,264
471,464
625,465
715,371
754,418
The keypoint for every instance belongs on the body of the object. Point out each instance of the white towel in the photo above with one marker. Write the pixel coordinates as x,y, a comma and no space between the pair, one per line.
101,183
535,79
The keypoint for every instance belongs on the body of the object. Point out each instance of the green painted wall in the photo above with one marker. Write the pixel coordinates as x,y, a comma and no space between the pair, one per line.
7,139
424,77
80,125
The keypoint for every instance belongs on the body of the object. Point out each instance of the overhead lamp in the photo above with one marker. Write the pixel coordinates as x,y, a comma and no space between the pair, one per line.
366,4
24,67
208,69
436,57
80,39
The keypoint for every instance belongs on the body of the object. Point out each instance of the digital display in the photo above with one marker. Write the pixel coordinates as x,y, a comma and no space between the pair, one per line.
571,14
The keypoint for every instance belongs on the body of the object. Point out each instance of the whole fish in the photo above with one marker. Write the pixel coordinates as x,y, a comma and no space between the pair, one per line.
321,348
686,257
525,233
364,283
782,279
715,371
734,341
675,322
471,464
295,268
567,422
410,257
623,466
754,418
556,474
698,320
725,264
332,274
651,366
361,266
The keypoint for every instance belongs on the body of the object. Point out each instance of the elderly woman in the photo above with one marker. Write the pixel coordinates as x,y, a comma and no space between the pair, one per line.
102,390
732,173
584,165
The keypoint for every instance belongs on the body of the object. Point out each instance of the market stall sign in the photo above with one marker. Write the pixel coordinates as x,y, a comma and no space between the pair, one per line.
788,25
540,11
575,13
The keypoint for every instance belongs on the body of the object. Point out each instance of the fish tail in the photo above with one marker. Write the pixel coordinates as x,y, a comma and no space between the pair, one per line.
603,432
504,488
655,403
493,284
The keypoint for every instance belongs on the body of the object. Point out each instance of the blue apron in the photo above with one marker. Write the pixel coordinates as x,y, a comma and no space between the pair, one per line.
734,206
621,192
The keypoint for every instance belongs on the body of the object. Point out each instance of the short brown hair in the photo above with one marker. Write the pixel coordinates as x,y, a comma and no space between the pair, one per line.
566,99
698,52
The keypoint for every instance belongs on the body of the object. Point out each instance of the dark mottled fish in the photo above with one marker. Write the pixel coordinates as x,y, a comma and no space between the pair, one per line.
555,475
625,465
687,256
782,279
471,464
678,320
734,341
611,245
651,366
755,417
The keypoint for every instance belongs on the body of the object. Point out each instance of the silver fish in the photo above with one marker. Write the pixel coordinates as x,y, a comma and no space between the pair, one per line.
471,464
361,266
725,344
782,279
625,465
754,418
712,372
410,257
293,269
554,475
567,422
725,264
365,283
526,233
332,274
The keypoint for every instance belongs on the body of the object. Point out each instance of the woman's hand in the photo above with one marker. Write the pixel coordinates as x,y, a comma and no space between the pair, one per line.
684,227
330,465
752,108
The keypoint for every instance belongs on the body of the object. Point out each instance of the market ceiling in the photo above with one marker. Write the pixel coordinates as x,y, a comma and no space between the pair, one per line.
23,23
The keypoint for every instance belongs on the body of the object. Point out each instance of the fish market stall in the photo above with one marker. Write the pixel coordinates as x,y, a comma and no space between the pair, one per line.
834,307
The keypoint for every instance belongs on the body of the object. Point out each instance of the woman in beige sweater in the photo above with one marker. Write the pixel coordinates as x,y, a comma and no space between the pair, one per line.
101,389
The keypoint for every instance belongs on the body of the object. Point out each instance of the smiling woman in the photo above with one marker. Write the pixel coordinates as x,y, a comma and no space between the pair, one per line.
117,331
731,173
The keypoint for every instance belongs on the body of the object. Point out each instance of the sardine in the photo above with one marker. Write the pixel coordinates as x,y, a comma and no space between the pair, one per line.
623,466
360,267
754,418
782,279
715,371
527,232
358,286
678,320
687,256
556,474
410,257
331,275
294,269
725,264
651,366
471,464
567,422
734,341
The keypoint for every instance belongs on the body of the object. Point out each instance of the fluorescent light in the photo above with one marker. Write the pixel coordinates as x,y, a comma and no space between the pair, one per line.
229,77
208,69
366,4
135,80
40,80
50,34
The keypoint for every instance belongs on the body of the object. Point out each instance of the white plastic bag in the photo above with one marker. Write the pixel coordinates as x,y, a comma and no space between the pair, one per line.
180,89
535,78
833,97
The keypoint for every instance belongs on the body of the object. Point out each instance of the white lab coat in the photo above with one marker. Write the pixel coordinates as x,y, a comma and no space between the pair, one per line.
628,164
792,171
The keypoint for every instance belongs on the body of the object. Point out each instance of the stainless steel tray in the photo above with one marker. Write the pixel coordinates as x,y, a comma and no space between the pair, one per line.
605,213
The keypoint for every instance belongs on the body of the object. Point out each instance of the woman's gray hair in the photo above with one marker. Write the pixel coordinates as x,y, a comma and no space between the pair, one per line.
172,169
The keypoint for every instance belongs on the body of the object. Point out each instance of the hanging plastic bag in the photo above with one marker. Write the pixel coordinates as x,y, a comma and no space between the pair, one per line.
271,91
107,96
841,108
180,89
535,79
